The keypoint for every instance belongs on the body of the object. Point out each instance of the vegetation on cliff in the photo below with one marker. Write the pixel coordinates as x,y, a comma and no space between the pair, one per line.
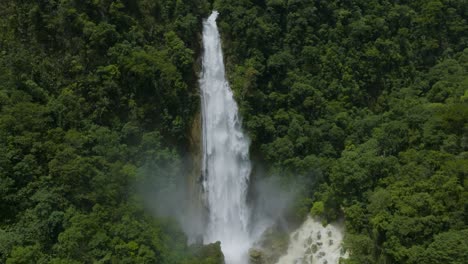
363,102
367,103
92,94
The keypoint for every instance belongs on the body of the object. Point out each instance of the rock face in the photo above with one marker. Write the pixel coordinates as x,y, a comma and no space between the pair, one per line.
196,156
194,179
272,244
313,243
255,257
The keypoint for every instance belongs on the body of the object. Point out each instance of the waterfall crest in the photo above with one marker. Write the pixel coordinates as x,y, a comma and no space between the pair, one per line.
226,165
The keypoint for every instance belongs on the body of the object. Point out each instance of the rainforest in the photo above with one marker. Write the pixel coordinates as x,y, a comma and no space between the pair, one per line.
234,132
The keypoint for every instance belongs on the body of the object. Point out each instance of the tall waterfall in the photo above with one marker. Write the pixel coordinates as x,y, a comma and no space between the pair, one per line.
226,164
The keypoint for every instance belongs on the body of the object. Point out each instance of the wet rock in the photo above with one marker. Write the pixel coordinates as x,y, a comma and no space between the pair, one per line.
296,236
314,248
255,256
298,261
321,254
273,244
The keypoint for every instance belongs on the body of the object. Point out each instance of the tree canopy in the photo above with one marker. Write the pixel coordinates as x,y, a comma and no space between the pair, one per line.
90,93
364,102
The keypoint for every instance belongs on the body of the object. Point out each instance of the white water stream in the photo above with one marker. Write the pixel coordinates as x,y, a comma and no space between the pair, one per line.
226,169
226,164
314,244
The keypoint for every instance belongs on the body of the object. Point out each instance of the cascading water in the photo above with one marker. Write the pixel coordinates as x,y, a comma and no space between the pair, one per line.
313,243
226,165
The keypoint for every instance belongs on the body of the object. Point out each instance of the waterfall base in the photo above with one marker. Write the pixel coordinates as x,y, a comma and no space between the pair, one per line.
312,243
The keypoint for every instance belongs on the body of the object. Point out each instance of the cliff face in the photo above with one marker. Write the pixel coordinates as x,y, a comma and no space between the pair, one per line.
194,180
195,148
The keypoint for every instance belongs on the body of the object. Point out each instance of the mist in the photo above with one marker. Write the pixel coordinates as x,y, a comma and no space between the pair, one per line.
270,204
167,193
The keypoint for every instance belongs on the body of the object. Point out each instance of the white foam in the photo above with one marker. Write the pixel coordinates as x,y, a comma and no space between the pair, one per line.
226,165
314,244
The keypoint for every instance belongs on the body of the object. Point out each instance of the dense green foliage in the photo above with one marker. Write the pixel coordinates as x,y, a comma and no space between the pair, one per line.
90,92
363,102
367,103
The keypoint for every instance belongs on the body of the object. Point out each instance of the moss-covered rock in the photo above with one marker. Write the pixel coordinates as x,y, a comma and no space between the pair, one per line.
255,256
273,244
206,254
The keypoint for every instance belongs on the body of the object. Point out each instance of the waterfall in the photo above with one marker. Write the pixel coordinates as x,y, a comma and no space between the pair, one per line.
226,165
